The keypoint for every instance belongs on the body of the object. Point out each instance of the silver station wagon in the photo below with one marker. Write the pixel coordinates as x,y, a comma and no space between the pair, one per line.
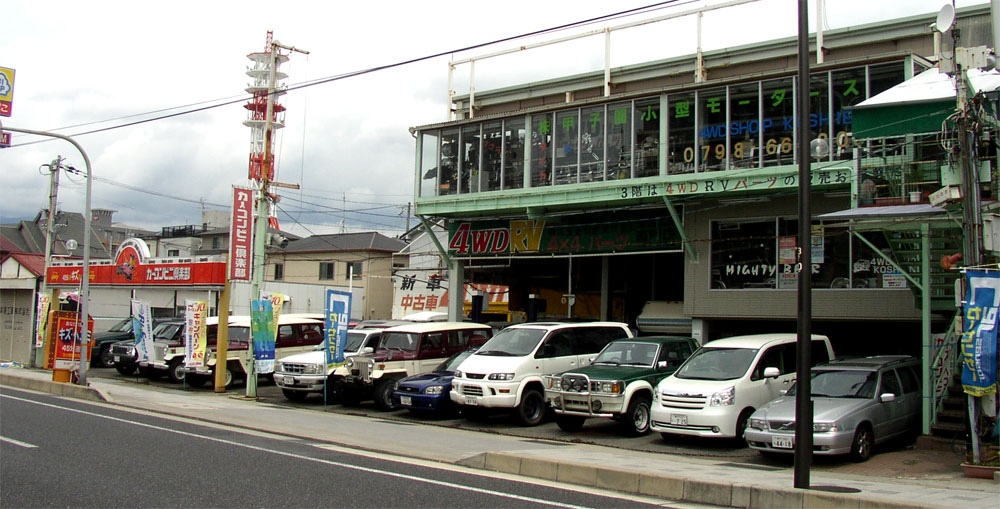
857,403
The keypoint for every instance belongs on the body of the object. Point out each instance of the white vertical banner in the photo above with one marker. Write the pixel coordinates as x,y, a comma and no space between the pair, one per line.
195,337
142,329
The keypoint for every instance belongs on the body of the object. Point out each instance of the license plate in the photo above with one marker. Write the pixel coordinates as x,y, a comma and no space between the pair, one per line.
781,442
117,358
289,380
679,420
406,401
471,401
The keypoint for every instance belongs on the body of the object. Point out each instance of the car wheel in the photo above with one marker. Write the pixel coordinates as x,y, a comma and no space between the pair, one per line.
532,408
195,380
861,447
125,369
383,394
570,423
636,420
741,427
175,370
332,396
104,357
230,379
291,395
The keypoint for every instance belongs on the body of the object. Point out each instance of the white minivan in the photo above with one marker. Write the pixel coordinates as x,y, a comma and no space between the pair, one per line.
714,392
507,371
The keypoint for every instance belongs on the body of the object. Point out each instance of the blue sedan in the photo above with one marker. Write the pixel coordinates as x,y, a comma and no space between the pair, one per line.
428,392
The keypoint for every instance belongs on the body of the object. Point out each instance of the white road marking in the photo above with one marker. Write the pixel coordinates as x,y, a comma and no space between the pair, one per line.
307,458
26,445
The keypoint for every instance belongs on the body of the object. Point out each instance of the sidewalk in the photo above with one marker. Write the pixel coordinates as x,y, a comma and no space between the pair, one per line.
881,482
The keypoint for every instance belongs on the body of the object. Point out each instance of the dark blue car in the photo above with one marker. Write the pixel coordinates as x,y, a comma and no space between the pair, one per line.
428,392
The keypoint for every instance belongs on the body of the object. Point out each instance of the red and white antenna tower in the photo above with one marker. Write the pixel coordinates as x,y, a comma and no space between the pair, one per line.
265,76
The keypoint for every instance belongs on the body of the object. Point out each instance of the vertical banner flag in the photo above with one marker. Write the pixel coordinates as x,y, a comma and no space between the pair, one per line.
979,337
241,235
262,330
195,332
142,329
41,319
336,317
276,299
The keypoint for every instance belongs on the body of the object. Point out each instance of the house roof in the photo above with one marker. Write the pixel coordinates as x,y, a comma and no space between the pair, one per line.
366,241
35,263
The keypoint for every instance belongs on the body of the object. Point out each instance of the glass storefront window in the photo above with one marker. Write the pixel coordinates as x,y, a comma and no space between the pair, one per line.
712,129
567,140
819,113
870,269
647,136
681,154
744,255
849,89
428,163
619,129
829,250
513,155
541,150
492,150
448,171
592,144
744,126
883,77
778,122
468,174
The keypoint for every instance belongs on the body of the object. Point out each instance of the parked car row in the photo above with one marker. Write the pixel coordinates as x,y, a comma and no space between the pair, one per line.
740,388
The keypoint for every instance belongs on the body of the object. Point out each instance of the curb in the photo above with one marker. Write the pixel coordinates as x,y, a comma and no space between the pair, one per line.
57,388
672,488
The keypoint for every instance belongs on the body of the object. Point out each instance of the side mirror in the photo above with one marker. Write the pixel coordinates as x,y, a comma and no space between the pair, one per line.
366,350
771,372
887,397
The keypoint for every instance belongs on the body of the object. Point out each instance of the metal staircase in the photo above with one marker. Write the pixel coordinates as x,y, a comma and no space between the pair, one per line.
907,249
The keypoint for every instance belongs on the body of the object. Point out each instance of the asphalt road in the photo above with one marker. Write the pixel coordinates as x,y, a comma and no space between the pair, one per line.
58,452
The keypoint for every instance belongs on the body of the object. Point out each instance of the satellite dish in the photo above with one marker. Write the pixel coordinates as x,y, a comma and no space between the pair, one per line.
819,148
945,18
71,244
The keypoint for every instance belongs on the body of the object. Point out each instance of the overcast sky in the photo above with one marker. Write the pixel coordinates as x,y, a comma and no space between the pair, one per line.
82,66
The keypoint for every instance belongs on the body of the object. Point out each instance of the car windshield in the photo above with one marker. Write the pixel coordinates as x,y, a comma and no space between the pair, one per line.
166,330
450,365
717,364
847,383
354,341
402,341
122,326
239,334
628,353
513,342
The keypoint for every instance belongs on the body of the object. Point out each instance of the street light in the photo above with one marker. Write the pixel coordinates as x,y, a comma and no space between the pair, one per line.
85,283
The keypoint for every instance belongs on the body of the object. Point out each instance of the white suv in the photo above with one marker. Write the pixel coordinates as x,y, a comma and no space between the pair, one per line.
714,392
298,375
507,371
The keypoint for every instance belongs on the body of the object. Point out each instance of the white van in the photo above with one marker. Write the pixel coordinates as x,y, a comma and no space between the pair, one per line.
507,371
714,392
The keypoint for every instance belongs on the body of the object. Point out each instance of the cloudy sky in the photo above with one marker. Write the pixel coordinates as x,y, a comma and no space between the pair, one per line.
98,66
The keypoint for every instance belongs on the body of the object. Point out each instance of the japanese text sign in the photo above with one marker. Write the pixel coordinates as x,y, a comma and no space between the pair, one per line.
241,235
195,332
337,315
979,336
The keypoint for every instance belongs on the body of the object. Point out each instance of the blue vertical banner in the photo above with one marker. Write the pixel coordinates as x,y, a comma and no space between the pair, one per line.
142,329
336,317
262,329
979,336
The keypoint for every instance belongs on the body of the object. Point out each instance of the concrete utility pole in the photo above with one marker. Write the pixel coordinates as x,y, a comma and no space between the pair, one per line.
263,211
54,166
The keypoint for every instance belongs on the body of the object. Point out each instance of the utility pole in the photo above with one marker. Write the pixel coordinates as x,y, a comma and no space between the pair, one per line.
263,209
54,167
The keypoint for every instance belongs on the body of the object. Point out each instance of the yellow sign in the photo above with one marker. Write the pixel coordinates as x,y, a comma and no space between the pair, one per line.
6,90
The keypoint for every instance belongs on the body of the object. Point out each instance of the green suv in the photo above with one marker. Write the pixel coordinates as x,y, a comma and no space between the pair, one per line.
619,383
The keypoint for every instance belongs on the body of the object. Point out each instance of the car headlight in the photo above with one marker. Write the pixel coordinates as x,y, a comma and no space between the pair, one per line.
725,397
434,389
314,369
823,427
756,423
350,362
501,377
458,374
613,387
279,367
